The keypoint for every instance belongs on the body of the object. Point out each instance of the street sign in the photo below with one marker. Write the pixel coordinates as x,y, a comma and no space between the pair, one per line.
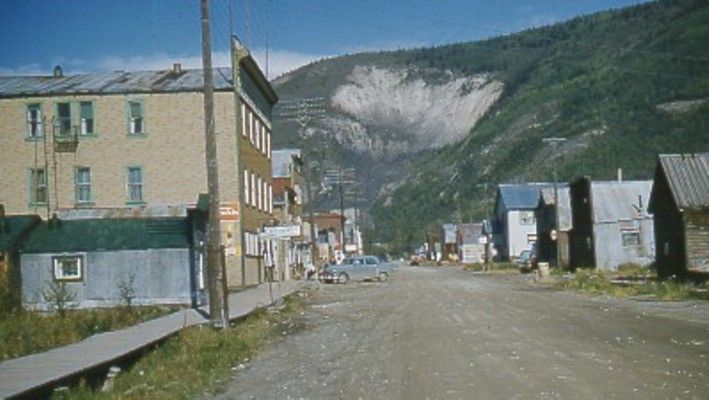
229,211
282,231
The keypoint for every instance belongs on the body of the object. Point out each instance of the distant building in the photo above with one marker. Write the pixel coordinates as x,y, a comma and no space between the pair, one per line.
546,214
292,250
106,261
329,235
132,140
472,243
680,204
611,226
514,221
449,241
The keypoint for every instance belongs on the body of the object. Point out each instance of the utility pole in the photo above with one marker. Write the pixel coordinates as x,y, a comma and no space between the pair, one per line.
217,312
555,141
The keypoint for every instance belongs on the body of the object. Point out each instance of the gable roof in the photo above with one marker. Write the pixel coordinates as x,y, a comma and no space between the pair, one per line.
13,228
688,178
108,235
524,196
616,200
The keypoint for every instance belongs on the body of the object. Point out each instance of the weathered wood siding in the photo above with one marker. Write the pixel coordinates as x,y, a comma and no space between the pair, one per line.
697,237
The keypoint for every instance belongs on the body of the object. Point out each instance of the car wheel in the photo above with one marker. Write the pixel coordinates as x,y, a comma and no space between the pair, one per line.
343,278
383,276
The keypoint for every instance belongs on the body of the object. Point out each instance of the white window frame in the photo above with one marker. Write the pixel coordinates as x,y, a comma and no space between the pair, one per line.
132,120
243,119
253,190
247,192
84,131
59,273
36,185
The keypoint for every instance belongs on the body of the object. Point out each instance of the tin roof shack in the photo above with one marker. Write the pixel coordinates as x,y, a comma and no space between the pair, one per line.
472,243
13,230
516,227
546,214
610,224
450,242
106,261
680,203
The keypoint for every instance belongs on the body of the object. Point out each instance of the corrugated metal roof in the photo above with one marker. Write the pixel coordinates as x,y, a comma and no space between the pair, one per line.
281,160
616,200
688,177
113,83
521,196
107,235
564,212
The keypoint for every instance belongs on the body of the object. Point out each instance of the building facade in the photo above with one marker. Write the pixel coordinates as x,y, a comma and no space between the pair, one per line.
611,225
680,204
131,140
515,224
553,243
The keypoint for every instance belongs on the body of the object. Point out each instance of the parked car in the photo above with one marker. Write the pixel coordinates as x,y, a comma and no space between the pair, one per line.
357,268
527,261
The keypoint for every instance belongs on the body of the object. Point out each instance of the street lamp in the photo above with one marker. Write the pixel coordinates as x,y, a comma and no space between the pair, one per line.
554,142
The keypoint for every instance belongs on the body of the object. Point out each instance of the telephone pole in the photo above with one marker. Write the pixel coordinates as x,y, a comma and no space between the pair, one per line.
217,312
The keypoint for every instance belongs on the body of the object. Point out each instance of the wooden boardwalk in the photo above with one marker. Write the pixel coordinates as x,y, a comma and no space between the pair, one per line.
37,373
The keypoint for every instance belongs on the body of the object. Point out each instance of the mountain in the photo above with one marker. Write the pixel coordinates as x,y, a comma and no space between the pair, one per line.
432,131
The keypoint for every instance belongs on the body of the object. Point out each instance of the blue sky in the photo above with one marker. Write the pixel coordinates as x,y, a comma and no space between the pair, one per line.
101,35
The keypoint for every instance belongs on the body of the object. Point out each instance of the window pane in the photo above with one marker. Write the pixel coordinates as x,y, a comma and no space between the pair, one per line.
64,110
64,118
86,109
34,120
136,111
83,185
135,184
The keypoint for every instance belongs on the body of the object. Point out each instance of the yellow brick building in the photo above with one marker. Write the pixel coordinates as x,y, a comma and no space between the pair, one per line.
135,140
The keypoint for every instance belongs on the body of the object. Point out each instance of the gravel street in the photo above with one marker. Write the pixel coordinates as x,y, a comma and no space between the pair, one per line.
445,333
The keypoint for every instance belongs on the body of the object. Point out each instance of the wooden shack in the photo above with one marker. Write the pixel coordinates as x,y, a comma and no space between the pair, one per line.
680,202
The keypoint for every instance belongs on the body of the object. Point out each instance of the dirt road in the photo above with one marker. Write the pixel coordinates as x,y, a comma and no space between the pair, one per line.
445,333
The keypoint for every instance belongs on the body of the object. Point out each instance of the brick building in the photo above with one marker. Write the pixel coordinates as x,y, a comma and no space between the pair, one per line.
130,141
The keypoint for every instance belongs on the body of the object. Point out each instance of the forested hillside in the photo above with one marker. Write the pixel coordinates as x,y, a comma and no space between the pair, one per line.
621,86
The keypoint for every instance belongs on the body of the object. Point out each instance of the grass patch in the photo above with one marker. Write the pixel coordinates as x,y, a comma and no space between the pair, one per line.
601,282
492,267
27,332
197,360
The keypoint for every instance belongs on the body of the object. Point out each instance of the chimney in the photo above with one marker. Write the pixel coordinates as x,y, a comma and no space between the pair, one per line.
176,68
620,174
58,73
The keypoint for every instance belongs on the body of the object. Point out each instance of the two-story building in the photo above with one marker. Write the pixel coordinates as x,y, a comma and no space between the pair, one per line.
135,140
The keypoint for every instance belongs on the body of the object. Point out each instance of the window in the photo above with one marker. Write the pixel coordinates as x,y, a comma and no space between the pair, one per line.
253,190
86,113
263,139
83,185
270,199
251,127
246,187
135,118
257,128
526,217
38,186
243,119
63,119
34,121
268,143
135,185
259,194
68,268
630,238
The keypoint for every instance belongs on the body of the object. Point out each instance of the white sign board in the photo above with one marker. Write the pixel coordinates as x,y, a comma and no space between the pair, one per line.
282,231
